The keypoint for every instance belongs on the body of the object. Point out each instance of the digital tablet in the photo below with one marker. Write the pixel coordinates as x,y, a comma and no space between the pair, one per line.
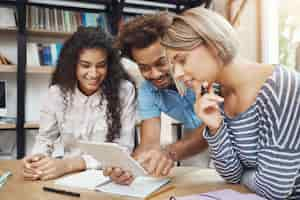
112,155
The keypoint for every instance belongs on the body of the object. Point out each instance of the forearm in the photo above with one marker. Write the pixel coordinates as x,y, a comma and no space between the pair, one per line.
146,146
191,144
149,135
227,162
74,164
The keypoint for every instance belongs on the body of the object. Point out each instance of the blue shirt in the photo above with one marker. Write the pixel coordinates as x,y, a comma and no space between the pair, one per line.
152,101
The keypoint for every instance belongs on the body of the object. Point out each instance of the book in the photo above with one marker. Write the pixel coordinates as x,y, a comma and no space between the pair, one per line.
43,54
141,187
7,17
33,57
4,60
53,19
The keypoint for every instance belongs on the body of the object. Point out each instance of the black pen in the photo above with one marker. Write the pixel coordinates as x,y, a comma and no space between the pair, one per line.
60,191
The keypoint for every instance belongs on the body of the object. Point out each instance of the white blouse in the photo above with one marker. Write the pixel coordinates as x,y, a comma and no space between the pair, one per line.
82,119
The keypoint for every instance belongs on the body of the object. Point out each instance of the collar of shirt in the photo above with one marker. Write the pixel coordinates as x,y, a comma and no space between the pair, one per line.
93,100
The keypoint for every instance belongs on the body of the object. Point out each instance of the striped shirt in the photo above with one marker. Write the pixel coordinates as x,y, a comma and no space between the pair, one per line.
265,138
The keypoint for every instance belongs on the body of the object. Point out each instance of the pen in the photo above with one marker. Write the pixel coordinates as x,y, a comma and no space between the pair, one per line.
60,191
104,183
166,189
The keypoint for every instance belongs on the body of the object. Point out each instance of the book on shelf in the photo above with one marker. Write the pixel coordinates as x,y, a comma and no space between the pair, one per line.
4,60
7,17
43,54
58,20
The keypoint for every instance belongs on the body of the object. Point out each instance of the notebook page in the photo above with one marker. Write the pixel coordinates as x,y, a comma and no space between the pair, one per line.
141,187
88,179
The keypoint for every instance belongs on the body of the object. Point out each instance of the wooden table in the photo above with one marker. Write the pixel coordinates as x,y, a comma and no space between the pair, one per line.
187,180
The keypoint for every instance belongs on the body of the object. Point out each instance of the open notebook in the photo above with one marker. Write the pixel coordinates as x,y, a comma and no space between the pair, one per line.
141,187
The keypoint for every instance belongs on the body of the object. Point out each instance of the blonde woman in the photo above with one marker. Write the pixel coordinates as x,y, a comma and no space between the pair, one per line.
253,129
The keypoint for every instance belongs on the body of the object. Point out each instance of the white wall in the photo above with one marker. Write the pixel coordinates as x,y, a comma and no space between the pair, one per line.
270,31
8,43
246,27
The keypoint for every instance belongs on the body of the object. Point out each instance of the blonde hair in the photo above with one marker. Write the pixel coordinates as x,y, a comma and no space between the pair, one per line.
201,26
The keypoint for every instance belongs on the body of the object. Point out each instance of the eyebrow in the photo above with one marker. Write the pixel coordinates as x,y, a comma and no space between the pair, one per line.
155,62
87,62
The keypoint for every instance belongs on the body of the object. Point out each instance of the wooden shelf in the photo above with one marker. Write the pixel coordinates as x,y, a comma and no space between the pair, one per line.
8,68
41,32
8,29
28,125
40,69
29,70
37,32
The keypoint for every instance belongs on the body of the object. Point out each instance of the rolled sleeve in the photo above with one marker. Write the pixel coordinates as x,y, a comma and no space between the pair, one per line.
128,116
146,103
91,162
48,136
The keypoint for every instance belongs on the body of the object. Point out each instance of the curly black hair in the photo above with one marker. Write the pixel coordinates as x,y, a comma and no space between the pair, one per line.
65,73
142,31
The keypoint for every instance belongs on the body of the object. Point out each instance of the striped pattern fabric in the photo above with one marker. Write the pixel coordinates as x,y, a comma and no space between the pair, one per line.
266,138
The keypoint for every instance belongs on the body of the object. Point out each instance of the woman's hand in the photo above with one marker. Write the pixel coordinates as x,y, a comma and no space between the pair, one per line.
28,172
49,168
118,175
207,107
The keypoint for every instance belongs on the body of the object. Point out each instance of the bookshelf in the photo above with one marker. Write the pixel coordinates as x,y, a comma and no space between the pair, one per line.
45,33
114,10
27,125
29,69
8,29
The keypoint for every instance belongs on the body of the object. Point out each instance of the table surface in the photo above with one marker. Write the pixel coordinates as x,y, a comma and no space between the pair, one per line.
187,181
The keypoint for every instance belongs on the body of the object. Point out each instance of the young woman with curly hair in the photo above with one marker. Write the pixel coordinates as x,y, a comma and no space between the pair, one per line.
90,98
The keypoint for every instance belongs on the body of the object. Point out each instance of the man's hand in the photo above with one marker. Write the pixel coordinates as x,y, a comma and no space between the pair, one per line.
118,175
157,162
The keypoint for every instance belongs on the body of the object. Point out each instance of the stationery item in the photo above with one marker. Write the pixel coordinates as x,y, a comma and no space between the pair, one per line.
88,179
220,195
4,178
112,155
141,187
59,191
164,190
